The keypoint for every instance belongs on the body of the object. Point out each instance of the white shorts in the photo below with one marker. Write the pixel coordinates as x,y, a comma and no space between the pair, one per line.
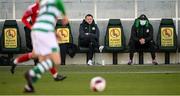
44,43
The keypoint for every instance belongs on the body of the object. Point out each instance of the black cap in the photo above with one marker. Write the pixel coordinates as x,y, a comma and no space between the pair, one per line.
143,17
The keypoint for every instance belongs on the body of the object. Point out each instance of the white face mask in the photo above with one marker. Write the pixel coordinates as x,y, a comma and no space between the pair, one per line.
143,22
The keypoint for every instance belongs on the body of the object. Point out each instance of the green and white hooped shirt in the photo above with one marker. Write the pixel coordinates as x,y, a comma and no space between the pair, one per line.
48,14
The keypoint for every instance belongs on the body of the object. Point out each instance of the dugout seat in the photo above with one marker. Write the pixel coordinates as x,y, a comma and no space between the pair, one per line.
10,39
65,41
114,39
167,38
64,32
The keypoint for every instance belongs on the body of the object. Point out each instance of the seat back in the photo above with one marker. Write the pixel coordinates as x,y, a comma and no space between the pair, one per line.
10,37
114,38
167,37
64,32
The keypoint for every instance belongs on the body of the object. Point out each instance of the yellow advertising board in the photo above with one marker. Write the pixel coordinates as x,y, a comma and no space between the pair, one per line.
10,40
167,36
63,35
115,39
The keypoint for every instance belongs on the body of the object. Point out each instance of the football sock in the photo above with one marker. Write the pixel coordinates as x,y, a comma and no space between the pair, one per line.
23,58
39,69
54,72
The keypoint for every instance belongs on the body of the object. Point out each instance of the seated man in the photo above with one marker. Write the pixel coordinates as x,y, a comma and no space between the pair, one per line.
89,36
141,38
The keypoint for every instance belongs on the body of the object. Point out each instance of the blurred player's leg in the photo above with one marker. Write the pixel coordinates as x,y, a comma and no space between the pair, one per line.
55,57
20,59
48,57
27,57
23,58
55,74
35,73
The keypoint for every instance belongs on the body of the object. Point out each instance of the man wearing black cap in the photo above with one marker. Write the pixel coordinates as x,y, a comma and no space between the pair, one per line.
141,38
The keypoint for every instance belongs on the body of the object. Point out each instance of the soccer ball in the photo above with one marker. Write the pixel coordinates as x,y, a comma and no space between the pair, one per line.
98,84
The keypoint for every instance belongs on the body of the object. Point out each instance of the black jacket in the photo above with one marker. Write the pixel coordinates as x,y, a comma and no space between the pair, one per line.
92,29
138,32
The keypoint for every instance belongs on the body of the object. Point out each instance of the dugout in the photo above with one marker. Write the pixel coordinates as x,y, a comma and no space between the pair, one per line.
114,41
65,41
167,38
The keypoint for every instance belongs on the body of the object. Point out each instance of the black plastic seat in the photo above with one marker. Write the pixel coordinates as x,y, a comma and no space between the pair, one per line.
64,32
114,41
10,40
167,38
66,39
114,38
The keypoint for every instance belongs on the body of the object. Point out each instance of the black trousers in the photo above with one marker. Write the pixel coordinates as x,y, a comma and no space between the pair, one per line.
90,43
28,38
137,47
63,51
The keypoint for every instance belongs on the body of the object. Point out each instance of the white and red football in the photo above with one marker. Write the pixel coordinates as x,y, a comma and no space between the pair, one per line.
98,84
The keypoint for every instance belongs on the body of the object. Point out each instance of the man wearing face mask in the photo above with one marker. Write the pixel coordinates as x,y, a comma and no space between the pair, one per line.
142,38
89,36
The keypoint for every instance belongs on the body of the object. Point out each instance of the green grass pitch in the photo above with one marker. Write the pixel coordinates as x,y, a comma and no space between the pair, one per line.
121,80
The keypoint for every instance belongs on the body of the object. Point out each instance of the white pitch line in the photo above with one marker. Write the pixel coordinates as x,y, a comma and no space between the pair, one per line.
148,72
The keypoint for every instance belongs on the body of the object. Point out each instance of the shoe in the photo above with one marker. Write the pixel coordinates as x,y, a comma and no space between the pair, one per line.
29,87
130,62
13,66
155,63
89,63
60,78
